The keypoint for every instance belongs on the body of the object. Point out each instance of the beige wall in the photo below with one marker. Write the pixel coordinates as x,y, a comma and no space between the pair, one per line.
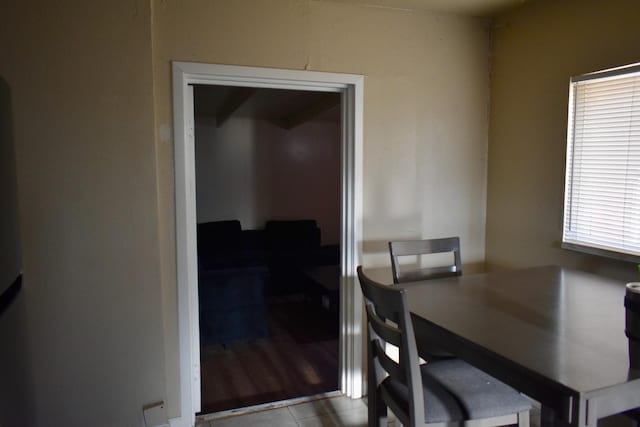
80,77
95,194
255,171
227,182
425,110
536,50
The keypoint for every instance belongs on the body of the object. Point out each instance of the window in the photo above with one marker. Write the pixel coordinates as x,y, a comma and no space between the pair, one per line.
602,185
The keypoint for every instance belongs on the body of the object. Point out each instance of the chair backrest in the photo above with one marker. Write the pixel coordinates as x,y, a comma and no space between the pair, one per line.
422,247
389,321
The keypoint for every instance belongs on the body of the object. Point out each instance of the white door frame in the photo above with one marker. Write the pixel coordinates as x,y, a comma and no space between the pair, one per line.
186,74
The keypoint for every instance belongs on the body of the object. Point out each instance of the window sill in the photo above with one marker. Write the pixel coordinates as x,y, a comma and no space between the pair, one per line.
601,252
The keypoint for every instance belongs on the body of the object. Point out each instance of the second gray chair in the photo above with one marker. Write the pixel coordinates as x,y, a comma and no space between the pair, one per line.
443,393
399,249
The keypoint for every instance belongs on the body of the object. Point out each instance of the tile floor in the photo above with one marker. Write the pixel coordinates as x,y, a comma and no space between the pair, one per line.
330,412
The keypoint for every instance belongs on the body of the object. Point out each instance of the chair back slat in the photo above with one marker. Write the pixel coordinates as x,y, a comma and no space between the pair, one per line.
389,333
427,273
389,365
381,331
399,249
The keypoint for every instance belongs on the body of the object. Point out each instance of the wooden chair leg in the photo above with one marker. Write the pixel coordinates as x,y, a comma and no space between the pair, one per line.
377,411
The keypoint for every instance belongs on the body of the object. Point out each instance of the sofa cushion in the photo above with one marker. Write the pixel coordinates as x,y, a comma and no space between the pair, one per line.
219,242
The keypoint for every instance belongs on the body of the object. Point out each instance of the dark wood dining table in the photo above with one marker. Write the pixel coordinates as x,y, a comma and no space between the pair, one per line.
553,333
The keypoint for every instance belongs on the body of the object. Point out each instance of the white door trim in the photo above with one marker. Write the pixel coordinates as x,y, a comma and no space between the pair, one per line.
185,74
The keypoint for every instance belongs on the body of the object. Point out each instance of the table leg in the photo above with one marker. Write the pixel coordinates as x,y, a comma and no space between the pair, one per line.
377,407
549,418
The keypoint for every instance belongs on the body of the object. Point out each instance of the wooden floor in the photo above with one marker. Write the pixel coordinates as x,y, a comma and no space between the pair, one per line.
300,358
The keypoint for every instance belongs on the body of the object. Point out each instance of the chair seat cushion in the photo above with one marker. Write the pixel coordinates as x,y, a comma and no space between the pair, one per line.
456,391
480,394
439,404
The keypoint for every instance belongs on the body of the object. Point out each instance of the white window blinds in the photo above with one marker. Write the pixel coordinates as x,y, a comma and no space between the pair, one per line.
602,192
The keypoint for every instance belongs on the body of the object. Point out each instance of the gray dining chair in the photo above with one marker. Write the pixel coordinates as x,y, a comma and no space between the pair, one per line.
443,393
404,248
412,248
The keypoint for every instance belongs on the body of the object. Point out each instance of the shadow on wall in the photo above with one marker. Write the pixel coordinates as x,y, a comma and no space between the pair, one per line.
16,391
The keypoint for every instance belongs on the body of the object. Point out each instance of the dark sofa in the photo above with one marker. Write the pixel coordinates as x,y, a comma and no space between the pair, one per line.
231,284
238,269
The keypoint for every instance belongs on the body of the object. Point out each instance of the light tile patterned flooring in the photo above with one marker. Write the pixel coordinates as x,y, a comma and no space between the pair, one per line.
330,412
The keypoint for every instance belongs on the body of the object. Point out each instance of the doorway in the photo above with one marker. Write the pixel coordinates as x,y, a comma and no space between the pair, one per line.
267,165
185,75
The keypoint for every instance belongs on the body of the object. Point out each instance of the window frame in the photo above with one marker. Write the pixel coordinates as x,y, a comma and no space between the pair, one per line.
586,248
